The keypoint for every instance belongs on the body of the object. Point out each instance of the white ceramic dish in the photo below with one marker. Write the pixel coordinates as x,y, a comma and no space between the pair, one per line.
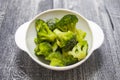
25,34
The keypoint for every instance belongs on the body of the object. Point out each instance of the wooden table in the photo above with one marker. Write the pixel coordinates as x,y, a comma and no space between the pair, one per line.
104,63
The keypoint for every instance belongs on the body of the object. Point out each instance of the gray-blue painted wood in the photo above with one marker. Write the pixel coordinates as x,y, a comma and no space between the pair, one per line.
104,63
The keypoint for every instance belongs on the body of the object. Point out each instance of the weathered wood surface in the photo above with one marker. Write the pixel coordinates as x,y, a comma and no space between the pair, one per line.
104,64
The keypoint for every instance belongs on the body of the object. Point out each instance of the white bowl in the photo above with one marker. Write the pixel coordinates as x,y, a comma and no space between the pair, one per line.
25,34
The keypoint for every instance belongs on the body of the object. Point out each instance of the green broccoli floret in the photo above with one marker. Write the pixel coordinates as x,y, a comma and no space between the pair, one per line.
80,50
55,59
68,22
54,46
44,49
56,54
36,49
52,23
80,35
36,40
43,31
65,40
68,59
56,62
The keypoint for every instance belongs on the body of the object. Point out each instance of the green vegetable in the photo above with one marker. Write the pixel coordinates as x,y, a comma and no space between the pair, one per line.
58,59
56,55
80,35
36,50
68,59
56,62
44,49
59,41
43,31
55,59
54,46
68,22
80,50
52,23
37,41
65,40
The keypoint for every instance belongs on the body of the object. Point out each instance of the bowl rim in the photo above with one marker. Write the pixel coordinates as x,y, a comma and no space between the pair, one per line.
64,67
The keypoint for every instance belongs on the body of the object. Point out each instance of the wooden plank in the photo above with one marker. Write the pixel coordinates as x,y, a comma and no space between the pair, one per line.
58,4
3,7
114,12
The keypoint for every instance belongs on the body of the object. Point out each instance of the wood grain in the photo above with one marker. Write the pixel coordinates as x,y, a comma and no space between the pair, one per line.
104,63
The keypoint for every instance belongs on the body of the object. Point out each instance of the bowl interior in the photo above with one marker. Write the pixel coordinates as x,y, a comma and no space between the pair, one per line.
31,32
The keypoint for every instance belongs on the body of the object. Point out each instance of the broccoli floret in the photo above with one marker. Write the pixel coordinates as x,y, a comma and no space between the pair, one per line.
68,22
56,55
80,50
54,46
44,49
36,40
65,40
55,59
52,23
43,31
80,35
58,59
56,62
68,59
36,49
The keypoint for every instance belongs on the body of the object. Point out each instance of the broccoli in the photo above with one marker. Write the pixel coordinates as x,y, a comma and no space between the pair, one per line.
68,59
58,59
59,41
43,31
52,23
37,49
56,62
80,35
79,51
55,59
54,46
36,40
44,49
68,22
65,40
56,54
